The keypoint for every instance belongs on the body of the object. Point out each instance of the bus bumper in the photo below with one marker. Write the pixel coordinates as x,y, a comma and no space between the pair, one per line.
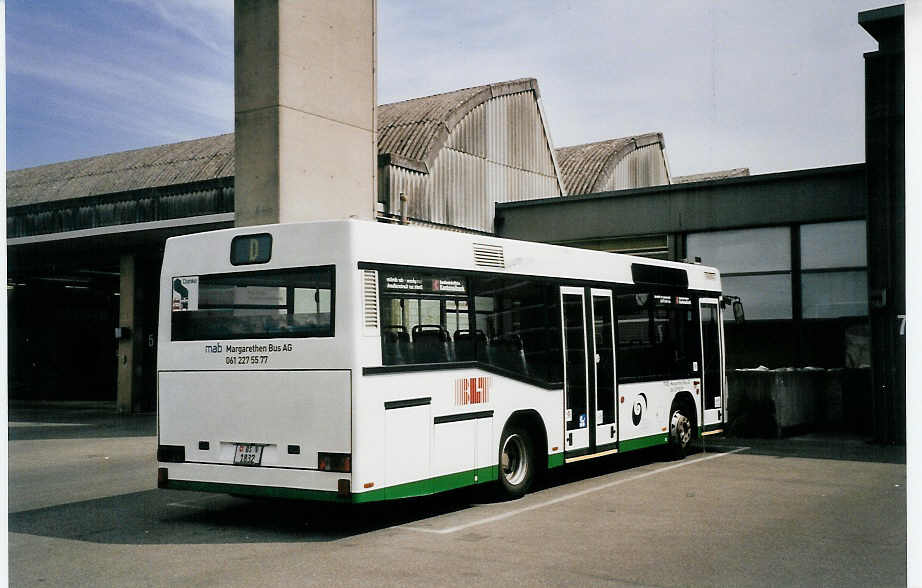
256,481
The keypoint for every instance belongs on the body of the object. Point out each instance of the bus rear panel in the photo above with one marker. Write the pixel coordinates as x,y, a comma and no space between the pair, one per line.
254,386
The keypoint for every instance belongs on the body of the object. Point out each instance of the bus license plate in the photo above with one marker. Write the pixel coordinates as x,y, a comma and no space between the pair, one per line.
248,454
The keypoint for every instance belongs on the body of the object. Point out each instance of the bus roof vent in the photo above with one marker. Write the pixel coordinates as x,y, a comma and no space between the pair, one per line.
489,255
370,298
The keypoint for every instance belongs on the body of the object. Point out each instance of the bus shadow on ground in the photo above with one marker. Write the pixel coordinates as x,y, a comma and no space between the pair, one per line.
27,424
155,517
817,446
174,517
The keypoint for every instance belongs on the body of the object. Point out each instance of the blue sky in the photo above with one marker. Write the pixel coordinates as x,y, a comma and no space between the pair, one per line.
773,85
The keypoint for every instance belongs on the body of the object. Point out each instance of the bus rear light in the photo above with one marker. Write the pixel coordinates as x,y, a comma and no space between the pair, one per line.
163,477
343,488
171,453
334,462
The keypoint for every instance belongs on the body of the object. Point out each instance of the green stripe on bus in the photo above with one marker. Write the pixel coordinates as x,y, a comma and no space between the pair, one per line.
418,488
642,442
430,485
554,460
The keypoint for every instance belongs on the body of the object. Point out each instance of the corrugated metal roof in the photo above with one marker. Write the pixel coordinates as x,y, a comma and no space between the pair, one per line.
412,131
164,165
581,166
417,129
737,172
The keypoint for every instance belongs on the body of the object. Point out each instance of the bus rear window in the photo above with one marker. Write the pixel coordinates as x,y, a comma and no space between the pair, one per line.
254,305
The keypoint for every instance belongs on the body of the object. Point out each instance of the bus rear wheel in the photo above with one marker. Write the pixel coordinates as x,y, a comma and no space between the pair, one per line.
516,462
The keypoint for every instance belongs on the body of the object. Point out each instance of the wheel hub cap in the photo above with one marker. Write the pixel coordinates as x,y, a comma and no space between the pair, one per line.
512,461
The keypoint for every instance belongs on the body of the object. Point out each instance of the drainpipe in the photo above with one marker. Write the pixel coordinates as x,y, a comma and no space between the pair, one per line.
403,209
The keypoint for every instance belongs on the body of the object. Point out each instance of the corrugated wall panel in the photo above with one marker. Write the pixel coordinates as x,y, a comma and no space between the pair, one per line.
497,153
639,169
470,136
461,189
515,134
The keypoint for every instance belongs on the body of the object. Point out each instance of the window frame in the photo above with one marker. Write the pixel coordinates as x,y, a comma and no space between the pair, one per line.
654,348
328,334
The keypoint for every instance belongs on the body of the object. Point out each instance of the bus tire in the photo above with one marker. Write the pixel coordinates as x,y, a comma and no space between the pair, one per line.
517,465
680,430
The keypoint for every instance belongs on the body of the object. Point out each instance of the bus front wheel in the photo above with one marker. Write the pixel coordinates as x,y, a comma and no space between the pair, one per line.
680,431
516,462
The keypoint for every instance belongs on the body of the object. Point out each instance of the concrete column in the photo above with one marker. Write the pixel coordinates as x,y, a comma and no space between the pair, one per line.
885,152
304,105
126,345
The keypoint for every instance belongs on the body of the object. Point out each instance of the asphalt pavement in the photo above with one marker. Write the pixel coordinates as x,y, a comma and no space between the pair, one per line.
806,511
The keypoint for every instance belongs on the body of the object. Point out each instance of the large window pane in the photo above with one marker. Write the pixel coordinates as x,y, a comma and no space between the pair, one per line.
424,318
749,250
764,297
511,325
825,245
635,338
834,294
675,336
657,336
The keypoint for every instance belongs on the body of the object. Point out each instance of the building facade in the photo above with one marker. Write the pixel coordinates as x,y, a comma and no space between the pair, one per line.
789,244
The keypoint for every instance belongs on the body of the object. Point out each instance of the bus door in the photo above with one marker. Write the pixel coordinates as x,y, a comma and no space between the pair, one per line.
606,425
575,369
713,369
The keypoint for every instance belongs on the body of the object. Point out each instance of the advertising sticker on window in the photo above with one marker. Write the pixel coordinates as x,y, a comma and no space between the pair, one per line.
185,293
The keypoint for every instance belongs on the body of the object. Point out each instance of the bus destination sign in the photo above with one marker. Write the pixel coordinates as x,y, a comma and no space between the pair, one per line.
417,284
247,249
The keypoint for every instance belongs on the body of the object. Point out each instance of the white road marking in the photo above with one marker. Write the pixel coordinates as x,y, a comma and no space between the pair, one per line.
181,505
566,497
191,503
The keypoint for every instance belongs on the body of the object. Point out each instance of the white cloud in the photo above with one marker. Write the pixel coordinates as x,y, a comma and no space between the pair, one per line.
205,21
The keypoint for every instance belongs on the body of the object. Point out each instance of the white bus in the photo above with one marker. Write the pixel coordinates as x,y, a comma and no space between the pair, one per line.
355,361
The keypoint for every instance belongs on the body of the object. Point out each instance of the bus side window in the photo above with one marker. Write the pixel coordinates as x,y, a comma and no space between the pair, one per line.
419,311
634,335
430,343
511,314
395,346
395,339
675,341
466,343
